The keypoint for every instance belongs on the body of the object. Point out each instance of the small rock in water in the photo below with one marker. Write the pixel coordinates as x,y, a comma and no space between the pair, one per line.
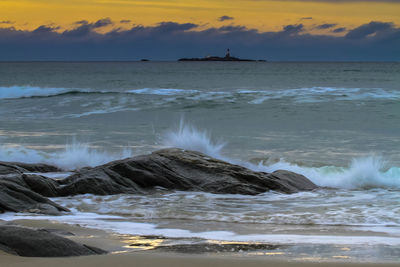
200,248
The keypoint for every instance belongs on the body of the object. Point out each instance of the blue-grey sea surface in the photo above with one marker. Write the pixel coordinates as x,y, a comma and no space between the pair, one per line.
336,123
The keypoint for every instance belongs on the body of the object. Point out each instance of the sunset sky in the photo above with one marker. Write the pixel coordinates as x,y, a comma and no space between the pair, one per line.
199,27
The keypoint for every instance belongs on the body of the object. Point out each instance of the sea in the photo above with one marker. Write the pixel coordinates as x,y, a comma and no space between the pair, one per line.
336,123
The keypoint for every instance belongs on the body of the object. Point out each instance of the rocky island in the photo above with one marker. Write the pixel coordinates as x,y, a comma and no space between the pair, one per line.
227,57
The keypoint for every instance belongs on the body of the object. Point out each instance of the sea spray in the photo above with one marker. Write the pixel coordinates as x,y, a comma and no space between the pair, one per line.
190,138
362,173
75,155
78,155
22,154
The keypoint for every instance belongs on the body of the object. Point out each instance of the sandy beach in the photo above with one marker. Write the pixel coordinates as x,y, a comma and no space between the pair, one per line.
122,253
164,259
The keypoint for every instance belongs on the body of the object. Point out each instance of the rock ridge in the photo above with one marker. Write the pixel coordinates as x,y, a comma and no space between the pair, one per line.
172,169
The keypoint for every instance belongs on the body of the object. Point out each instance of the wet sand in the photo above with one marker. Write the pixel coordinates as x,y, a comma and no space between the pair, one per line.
122,254
163,259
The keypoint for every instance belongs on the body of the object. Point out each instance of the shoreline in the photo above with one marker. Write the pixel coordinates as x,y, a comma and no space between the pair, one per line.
129,250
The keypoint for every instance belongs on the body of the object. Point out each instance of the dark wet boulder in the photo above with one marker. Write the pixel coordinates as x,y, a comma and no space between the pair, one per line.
18,167
8,169
172,169
178,169
21,192
26,193
29,242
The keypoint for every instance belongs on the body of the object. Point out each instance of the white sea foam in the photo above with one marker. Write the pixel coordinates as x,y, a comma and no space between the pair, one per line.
75,155
300,95
120,225
162,91
29,91
350,208
361,173
368,172
322,94
188,137
259,96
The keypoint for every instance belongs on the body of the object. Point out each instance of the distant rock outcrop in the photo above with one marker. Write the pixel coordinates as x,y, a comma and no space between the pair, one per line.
227,57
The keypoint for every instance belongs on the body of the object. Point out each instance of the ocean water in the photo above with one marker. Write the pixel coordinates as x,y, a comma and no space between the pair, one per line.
336,123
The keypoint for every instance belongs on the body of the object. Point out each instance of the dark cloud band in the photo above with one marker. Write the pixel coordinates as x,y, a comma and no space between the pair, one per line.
223,18
171,40
325,26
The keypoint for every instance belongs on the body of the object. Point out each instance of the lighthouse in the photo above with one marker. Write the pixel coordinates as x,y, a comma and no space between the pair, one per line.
228,53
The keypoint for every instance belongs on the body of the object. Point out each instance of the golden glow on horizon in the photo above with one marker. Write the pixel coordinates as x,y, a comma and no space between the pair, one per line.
264,15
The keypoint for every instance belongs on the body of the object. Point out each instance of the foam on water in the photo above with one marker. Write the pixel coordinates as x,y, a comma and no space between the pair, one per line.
322,94
162,91
369,172
75,155
361,173
354,209
336,208
29,91
298,95
119,225
188,137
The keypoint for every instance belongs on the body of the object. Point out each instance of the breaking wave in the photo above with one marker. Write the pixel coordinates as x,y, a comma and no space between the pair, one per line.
30,91
299,95
15,92
190,138
162,91
361,173
75,155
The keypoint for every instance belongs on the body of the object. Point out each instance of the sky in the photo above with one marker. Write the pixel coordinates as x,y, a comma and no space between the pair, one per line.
280,30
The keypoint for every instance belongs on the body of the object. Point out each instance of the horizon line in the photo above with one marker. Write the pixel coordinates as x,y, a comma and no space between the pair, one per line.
170,61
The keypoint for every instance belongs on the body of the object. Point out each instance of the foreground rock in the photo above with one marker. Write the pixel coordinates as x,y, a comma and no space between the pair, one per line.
178,169
20,192
25,193
172,169
38,243
17,167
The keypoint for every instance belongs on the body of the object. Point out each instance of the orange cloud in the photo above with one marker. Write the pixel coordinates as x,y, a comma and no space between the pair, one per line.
264,15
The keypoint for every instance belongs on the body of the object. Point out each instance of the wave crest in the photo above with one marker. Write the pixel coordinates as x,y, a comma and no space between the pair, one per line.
190,138
75,155
362,173
259,96
30,91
